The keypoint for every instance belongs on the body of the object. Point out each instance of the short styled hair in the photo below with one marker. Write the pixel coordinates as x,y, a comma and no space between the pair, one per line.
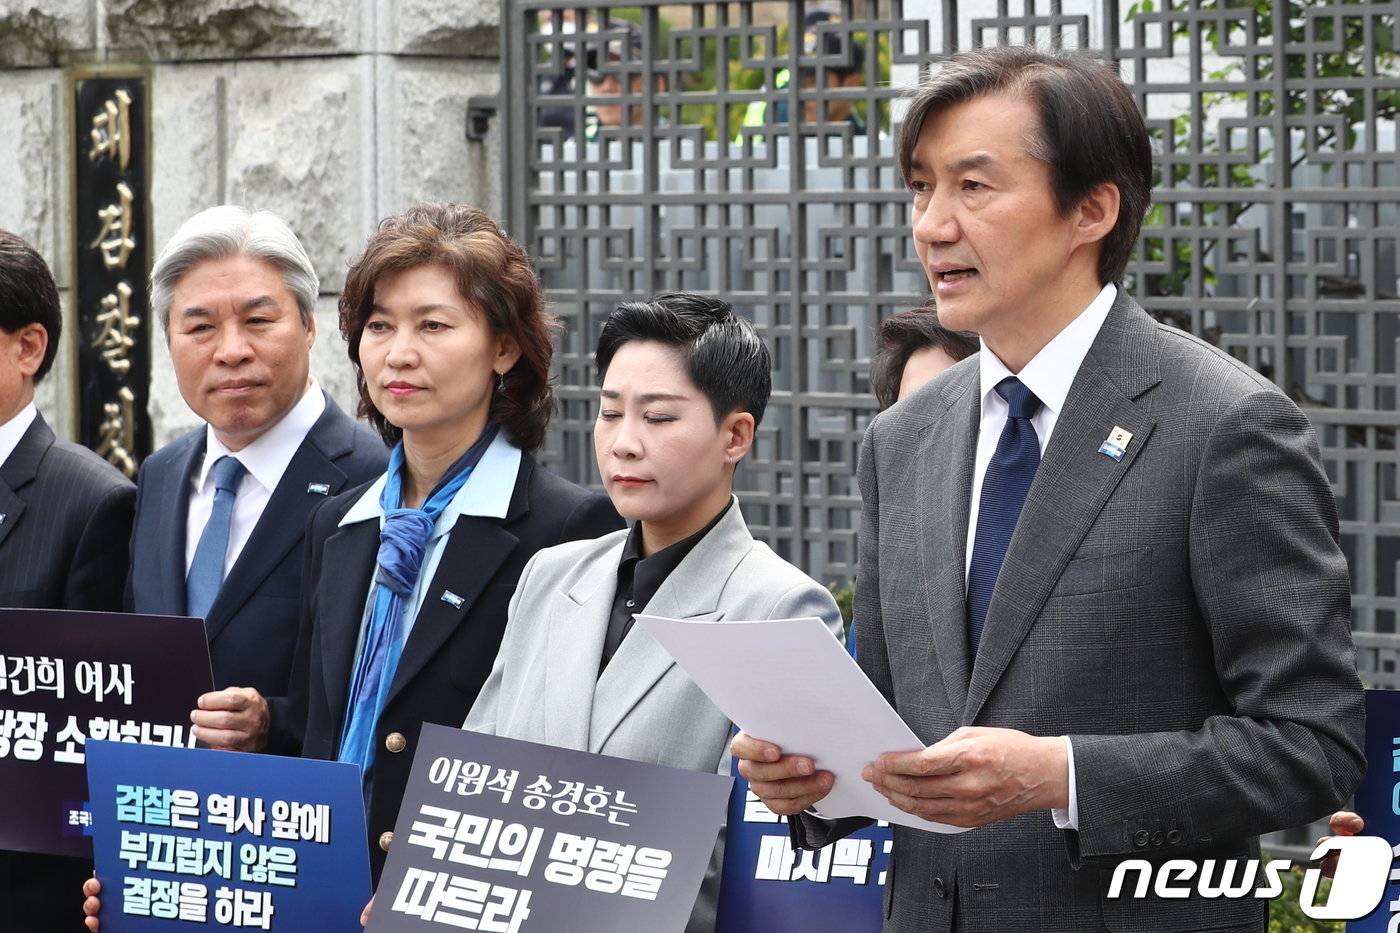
1089,130
724,356
903,334
493,273
224,232
28,295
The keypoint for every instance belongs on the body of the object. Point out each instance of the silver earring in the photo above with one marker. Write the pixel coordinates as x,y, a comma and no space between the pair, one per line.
501,383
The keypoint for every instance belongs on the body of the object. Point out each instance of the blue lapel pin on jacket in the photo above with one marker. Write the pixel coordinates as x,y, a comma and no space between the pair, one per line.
452,599
1116,443
321,489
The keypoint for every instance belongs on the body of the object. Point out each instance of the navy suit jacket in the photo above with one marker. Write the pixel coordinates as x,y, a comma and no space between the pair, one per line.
65,519
252,625
451,648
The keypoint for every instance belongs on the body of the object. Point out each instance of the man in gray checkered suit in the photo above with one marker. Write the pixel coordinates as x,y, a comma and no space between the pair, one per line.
1099,571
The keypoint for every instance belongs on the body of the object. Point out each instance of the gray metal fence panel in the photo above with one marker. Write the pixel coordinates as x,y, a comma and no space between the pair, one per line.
1274,233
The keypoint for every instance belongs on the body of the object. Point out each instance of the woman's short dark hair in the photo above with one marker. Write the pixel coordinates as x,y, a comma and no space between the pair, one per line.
1090,129
903,334
494,274
28,295
724,356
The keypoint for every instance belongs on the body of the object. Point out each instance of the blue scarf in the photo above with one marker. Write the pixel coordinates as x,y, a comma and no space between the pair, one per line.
403,541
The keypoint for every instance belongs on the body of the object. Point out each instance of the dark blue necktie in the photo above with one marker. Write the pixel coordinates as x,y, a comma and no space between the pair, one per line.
207,568
1004,488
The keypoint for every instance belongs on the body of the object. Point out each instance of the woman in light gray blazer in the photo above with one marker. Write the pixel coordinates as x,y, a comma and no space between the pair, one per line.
684,382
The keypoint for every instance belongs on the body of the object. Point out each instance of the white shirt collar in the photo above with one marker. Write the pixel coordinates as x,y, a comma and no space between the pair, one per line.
1051,372
486,493
12,431
266,457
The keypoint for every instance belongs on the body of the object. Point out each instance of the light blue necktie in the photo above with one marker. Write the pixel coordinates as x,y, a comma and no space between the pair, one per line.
1004,488
207,568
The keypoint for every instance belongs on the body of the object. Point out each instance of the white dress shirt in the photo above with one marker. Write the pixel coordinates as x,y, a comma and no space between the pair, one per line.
12,431
1049,375
264,461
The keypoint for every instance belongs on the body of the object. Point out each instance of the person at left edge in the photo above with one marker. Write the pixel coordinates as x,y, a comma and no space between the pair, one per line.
65,517
235,293
446,326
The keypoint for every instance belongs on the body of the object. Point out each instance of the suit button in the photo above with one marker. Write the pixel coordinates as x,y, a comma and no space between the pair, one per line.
395,742
386,840
1140,837
939,887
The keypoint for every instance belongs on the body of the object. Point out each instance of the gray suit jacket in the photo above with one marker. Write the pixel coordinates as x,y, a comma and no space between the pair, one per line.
1181,614
545,685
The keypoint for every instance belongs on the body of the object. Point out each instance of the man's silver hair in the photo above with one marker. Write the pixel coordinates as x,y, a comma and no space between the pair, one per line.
226,231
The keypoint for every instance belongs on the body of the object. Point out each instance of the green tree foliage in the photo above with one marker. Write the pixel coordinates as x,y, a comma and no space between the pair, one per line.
1285,914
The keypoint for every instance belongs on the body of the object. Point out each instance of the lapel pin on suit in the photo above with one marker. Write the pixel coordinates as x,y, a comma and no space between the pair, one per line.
452,599
321,489
1116,443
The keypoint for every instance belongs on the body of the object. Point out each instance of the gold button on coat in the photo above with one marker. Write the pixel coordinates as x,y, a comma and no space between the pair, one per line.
395,742
386,840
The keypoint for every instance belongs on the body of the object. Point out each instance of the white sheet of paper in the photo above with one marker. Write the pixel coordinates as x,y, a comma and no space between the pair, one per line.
787,681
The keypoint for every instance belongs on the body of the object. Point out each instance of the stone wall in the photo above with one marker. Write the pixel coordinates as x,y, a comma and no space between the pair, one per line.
332,114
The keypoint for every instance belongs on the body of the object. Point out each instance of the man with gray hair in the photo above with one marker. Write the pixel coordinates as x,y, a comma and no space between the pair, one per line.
221,512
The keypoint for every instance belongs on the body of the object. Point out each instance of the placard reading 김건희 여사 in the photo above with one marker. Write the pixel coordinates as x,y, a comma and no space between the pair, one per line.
194,838
68,676
508,836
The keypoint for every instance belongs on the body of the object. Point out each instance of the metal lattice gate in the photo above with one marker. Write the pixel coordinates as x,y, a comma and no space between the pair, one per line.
718,169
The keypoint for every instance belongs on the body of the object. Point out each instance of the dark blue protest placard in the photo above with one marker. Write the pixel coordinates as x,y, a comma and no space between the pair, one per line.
191,839
767,888
512,837
1378,797
66,677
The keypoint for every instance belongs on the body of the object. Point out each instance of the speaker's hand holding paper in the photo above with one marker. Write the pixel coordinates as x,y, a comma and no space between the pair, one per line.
789,683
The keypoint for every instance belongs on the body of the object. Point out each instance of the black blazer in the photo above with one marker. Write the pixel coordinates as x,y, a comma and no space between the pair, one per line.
252,625
65,519
450,650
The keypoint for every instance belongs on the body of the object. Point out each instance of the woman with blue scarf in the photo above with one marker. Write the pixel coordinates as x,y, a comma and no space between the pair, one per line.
408,579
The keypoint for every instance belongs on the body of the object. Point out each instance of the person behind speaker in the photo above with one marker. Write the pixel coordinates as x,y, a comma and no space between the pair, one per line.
235,293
